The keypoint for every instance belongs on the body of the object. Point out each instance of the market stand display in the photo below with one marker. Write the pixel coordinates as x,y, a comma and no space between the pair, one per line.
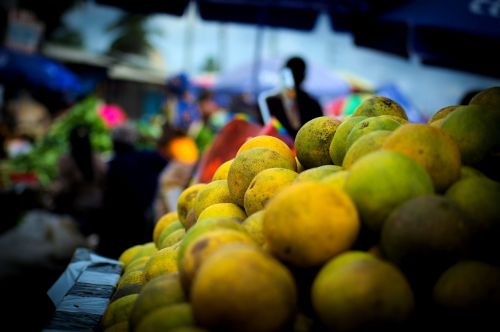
398,240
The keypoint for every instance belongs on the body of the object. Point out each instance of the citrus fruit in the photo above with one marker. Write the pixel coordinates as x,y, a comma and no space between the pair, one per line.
222,210
253,226
475,130
367,143
266,185
222,171
337,148
379,105
167,318
442,113
424,236
161,291
306,211
380,181
118,311
468,296
212,193
186,201
317,173
271,142
361,293
313,141
164,261
247,165
163,222
431,148
369,125
240,288
478,197
205,245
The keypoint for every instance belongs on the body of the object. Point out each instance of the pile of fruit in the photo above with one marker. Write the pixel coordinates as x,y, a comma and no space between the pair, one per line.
373,224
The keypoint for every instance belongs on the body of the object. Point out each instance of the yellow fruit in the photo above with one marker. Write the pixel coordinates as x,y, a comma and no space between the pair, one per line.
167,318
147,249
125,290
161,291
172,238
186,201
489,98
437,123
131,278
362,293
164,261
118,327
336,180
118,311
468,171
136,265
272,143
379,105
253,225
222,171
370,125
317,173
247,165
380,181
240,288
364,145
167,231
129,253
163,222
190,219
337,148
212,193
308,223
478,198
469,293
313,140
300,168
188,329
442,113
222,210
203,247
475,130
265,186
207,226
431,148
424,236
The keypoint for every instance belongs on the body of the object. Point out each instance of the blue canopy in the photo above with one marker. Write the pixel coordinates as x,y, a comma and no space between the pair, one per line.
38,72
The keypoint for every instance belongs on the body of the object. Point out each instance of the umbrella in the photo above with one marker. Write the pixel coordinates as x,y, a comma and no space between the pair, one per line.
320,81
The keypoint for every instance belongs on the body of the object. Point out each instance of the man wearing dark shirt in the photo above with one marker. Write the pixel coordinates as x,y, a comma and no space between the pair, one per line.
293,106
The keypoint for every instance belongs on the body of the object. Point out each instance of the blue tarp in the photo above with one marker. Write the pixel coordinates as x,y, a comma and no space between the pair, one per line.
38,72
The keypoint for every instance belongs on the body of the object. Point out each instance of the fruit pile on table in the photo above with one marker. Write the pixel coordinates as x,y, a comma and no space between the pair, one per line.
371,224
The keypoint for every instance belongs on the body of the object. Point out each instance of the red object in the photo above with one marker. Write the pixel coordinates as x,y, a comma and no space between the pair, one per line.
224,147
28,178
271,130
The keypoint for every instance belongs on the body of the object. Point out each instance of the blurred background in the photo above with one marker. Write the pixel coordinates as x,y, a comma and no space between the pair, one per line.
157,66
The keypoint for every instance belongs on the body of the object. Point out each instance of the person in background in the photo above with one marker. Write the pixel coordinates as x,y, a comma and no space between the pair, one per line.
78,187
182,153
131,186
293,106
242,104
181,107
213,118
